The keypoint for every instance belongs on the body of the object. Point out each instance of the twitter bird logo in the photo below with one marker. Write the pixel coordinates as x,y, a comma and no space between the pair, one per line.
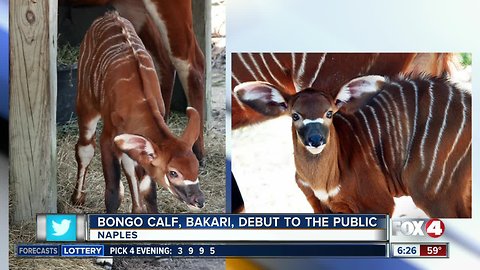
61,228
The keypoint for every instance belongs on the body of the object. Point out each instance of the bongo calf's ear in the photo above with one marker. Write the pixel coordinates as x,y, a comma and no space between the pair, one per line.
354,94
262,97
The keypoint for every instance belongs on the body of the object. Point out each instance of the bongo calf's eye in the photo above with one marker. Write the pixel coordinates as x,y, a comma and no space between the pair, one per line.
295,116
173,174
329,114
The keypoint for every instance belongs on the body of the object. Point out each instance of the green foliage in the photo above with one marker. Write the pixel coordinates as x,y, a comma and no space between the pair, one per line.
466,59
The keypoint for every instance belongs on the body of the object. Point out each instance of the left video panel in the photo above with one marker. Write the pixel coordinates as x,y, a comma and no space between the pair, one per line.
140,116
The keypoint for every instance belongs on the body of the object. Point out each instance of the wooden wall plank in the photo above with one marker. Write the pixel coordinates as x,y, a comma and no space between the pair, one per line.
33,43
201,11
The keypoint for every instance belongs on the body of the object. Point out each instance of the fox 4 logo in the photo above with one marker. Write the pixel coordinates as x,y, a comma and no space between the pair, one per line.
418,227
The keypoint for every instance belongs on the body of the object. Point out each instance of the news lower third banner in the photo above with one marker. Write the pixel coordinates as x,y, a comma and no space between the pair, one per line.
205,250
212,227
228,227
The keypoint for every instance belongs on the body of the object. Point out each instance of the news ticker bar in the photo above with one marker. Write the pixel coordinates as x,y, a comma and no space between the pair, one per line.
206,250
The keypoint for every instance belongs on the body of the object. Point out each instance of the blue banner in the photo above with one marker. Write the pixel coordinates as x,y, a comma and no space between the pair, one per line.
82,250
249,250
205,250
232,221
38,250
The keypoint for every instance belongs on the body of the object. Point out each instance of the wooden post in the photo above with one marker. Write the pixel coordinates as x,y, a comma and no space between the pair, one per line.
201,11
33,93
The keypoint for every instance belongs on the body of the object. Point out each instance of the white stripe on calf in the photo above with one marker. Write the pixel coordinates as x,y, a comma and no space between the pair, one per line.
397,122
319,66
293,62
405,108
249,69
389,133
379,135
277,62
269,71
459,133
370,64
439,138
459,161
257,67
295,83
412,137
368,129
301,72
235,78
427,124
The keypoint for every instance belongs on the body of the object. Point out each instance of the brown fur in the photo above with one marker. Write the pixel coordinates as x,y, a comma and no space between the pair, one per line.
337,69
118,82
177,16
407,136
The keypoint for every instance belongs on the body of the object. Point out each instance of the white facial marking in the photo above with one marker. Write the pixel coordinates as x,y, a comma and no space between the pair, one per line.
323,195
190,183
310,121
315,150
